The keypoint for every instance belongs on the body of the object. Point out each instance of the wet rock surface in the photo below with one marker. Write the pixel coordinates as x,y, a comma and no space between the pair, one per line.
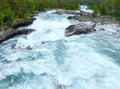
7,34
18,23
61,87
81,28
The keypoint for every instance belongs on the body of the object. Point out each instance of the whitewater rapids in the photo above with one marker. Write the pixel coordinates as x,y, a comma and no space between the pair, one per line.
89,61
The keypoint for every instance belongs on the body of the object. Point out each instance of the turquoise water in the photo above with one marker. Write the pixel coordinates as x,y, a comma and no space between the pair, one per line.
57,62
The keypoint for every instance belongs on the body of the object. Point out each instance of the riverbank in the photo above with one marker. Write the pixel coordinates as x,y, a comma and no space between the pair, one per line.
84,14
81,16
8,32
87,23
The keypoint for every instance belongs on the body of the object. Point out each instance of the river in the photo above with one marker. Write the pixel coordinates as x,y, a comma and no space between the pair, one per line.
88,61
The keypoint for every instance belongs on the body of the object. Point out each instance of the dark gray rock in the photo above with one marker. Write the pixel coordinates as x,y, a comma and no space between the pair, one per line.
28,48
79,17
19,23
81,28
61,87
102,29
99,19
7,34
4,28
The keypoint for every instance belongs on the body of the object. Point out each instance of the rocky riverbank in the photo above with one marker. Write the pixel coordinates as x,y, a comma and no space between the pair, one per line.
86,22
85,16
9,32
100,19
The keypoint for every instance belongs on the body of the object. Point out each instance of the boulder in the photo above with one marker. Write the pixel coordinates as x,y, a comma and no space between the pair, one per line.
81,28
61,87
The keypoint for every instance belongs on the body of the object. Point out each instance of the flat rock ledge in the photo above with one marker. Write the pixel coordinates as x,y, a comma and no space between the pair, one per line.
101,19
10,33
81,28
61,12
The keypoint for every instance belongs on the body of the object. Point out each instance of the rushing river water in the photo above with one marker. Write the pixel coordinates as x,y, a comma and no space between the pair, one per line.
88,61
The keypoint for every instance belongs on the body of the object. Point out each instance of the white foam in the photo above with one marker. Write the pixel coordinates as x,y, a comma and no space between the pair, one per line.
84,8
71,62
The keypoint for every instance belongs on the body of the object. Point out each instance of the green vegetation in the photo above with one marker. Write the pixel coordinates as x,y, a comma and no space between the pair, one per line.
108,7
20,9
11,10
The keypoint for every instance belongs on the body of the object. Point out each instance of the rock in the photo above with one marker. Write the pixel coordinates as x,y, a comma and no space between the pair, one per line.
61,12
105,20
85,13
102,29
24,31
28,48
7,34
4,28
79,17
81,28
61,87
13,46
99,19
76,17
19,23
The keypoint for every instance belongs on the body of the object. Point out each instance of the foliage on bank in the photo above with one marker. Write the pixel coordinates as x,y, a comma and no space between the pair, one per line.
108,7
20,9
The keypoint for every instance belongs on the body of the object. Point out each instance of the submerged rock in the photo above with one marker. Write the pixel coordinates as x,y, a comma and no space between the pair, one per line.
28,48
102,29
61,87
81,28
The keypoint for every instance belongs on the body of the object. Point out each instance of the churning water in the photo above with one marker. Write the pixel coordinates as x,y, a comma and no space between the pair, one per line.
57,62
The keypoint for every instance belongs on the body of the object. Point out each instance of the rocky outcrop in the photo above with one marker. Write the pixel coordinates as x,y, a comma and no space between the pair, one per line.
80,18
81,28
61,12
100,19
19,23
105,20
7,34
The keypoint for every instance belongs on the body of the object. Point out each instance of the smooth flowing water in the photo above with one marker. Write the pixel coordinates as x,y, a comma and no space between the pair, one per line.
89,61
